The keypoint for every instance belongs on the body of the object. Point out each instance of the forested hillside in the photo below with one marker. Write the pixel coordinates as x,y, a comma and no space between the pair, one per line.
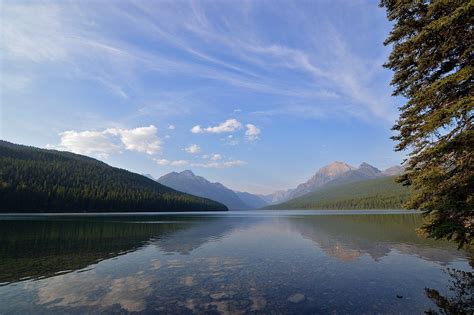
39,180
379,193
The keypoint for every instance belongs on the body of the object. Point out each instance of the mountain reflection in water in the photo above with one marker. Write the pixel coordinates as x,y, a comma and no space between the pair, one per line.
278,262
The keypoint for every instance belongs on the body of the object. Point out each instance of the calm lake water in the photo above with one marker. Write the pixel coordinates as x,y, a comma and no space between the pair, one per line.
229,263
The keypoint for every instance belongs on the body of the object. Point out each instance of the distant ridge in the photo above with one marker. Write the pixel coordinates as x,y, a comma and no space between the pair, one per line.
334,174
375,193
40,180
394,170
252,201
186,181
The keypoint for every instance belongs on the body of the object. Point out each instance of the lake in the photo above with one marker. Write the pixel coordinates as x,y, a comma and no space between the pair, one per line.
280,262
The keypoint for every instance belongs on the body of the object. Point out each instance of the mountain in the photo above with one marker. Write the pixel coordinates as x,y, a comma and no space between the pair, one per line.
375,193
188,182
40,180
334,174
276,197
322,177
251,200
363,172
394,170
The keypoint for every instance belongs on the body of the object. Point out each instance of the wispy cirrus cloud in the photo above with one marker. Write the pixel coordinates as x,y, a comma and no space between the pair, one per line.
215,161
235,53
171,162
220,164
15,82
277,67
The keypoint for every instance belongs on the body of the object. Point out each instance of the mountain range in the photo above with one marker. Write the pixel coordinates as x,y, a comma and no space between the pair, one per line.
188,182
334,174
375,193
39,180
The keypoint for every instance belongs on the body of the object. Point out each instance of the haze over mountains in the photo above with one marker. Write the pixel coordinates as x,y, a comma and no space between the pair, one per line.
334,174
33,179
377,193
187,181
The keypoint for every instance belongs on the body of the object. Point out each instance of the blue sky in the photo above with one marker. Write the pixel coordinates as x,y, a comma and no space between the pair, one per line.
254,94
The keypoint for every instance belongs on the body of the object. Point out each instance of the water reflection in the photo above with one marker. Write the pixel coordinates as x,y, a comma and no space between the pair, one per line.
41,247
350,237
461,301
221,264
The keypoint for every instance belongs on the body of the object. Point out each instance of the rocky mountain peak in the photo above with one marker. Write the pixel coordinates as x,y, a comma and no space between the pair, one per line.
187,173
335,173
365,165
368,169
335,168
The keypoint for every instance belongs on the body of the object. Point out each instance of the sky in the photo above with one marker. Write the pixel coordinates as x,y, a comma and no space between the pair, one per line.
256,95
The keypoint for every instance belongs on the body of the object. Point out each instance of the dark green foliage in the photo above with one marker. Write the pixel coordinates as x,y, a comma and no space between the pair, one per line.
39,180
379,193
433,64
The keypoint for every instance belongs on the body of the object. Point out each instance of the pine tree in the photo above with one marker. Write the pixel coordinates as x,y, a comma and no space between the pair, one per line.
432,60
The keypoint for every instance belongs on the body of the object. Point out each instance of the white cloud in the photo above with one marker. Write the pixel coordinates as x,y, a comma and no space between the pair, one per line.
171,127
112,140
162,161
216,157
193,149
142,139
96,143
224,164
230,125
252,132
212,157
172,163
197,129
